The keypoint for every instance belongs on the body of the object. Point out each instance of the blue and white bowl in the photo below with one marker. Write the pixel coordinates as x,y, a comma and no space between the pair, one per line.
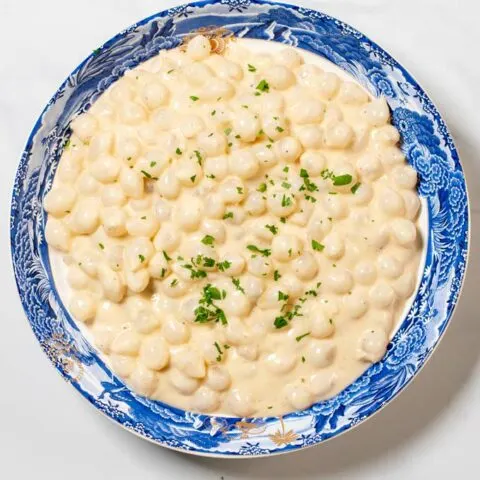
427,145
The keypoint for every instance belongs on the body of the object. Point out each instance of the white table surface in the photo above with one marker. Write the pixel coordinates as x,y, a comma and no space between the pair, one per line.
47,431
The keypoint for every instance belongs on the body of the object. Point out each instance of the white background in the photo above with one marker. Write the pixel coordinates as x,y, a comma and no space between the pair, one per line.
47,431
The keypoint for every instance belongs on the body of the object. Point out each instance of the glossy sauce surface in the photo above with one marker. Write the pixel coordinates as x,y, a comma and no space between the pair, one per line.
238,232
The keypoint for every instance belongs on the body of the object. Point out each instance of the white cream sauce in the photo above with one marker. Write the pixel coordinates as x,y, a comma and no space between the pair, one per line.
236,169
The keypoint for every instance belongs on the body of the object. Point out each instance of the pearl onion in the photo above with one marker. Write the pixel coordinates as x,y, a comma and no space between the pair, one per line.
154,94
310,136
247,125
377,112
382,295
127,342
308,110
191,125
199,47
236,264
259,266
216,166
232,190
334,246
142,227
274,126
265,156
369,167
198,73
386,135
372,345
132,182
83,306
405,285
356,305
273,297
212,145
412,204
319,227
391,156
405,177
286,247
297,396
305,266
237,303
112,282
289,57
363,194
253,286
76,278
389,266
138,253
291,285
176,332
205,400
240,403
321,383
143,380
189,172
255,203
281,362
154,352
68,169
352,94
279,77
391,202
218,378
131,113
85,126
123,365
214,228
189,213
327,84
214,206
336,206
281,203
340,281
59,201
320,326
404,232
313,162
137,281
288,149
182,383
338,135
168,238
190,362
158,266
85,216
244,164
113,195
321,353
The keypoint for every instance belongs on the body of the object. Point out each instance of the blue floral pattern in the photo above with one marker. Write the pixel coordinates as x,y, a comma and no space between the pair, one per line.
426,143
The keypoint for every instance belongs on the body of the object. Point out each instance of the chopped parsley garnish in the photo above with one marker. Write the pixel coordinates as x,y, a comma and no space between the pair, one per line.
283,320
167,258
282,297
279,129
67,144
228,215
141,258
213,112
272,229
178,151
227,131
286,201
148,175
174,282
263,86
102,246
276,275
286,169
307,184
240,190
225,265
265,252
199,157
303,359
207,311
355,188
313,293
208,240
236,282
194,98
317,246
280,322
195,272
262,188
211,175
300,337
286,185
220,352
170,71
152,164
251,68
340,180
283,220
192,178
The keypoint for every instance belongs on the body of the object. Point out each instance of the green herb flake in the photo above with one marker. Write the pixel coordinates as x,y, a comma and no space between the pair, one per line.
286,185
340,180
178,151
174,283
317,246
199,157
303,359
276,275
263,86
194,98
102,246
213,112
355,188
228,215
282,297
283,220
286,169
141,258
208,240
236,282
192,178
225,265
262,188
165,255
207,311
227,131
286,201
279,129
240,190
251,68
280,322
265,252
301,337
146,174
272,229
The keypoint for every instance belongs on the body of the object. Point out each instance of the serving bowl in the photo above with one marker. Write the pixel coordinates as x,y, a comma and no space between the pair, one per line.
426,143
